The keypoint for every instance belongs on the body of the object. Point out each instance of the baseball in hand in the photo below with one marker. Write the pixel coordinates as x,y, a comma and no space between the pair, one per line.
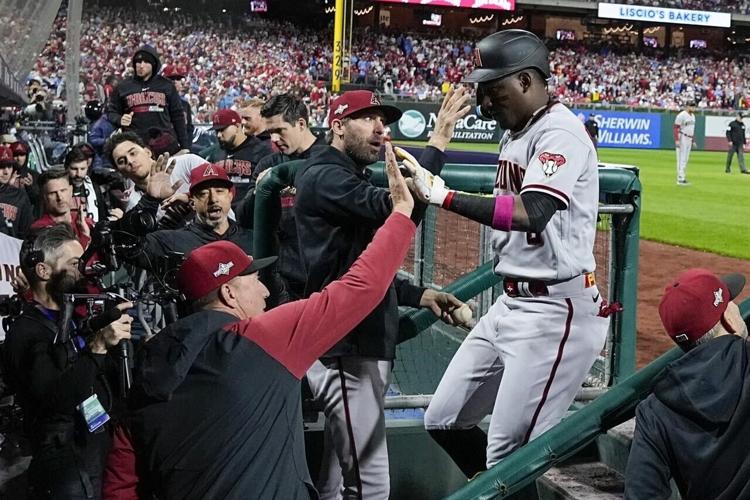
463,315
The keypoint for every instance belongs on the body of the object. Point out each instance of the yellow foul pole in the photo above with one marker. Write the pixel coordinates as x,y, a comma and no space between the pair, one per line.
338,46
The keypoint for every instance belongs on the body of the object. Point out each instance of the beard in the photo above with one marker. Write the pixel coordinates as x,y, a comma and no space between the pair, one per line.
359,150
61,283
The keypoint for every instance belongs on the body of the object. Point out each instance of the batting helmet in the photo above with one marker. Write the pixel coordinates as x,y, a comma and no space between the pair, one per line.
506,52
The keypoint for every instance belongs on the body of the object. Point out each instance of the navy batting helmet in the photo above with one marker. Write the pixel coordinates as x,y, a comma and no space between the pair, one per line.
506,52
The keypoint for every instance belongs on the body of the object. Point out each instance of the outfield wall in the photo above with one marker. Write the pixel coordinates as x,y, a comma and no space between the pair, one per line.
617,129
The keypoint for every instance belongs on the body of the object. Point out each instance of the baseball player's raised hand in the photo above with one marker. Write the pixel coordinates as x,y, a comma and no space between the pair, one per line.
400,196
427,187
455,106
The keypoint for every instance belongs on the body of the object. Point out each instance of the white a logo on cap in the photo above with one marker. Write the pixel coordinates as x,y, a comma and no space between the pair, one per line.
718,297
341,109
223,269
209,171
374,100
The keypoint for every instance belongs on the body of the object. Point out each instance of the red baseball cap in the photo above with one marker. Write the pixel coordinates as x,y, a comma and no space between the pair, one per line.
208,172
6,155
19,148
211,265
224,118
355,101
695,302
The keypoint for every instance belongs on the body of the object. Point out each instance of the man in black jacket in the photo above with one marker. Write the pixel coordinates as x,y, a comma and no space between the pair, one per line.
211,194
736,138
695,427
337,211
53,379
86,192
148,100
286,121
241,153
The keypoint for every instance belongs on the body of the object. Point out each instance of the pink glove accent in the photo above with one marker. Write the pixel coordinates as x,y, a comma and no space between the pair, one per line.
502,218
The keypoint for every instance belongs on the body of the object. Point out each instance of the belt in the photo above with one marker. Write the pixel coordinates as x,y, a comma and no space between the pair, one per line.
683,133
519,287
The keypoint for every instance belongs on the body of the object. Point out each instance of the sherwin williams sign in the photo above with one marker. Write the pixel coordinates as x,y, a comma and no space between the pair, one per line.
625,130
418,122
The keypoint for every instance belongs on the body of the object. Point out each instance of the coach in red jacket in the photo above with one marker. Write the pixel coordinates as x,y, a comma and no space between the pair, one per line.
215,410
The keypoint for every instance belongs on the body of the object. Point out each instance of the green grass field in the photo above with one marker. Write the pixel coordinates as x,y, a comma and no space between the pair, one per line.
712,214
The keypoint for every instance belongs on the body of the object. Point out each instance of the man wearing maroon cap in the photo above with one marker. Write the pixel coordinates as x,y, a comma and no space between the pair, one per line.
241,152
215,410
211,194
695,427
337,211
14,202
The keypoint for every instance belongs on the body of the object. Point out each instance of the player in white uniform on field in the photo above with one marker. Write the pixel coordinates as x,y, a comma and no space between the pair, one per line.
527,357
684,133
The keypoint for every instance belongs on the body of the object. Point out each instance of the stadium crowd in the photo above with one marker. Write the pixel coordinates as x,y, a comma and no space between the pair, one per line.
224,65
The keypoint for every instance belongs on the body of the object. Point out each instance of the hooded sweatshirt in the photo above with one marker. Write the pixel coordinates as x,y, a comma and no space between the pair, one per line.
154,103
695,427
16,211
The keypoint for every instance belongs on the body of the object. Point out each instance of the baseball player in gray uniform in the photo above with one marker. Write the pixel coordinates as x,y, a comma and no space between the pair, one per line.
526,358
684,133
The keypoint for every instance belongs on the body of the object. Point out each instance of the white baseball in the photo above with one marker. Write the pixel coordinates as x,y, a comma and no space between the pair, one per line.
463,315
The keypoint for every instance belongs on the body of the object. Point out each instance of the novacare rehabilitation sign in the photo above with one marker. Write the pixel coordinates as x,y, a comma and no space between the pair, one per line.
663,15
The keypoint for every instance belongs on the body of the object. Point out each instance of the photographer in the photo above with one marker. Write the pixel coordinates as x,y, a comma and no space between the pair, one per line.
53,379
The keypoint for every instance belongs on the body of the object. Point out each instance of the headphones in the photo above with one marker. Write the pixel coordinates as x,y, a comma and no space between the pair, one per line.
30,255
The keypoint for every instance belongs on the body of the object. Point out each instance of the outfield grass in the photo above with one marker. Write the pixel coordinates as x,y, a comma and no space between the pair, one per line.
711,214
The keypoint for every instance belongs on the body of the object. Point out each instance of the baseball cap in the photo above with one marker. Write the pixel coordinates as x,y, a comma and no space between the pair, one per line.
211,265
354,101
224,118
19,148
695,302
6,155
208,172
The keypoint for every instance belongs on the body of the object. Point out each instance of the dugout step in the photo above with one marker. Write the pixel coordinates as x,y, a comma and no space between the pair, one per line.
581,481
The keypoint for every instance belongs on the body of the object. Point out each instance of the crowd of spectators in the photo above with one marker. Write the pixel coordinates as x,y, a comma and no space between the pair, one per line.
230,61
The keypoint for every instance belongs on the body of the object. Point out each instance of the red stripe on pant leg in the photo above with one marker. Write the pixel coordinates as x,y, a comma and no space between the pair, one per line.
551,378
349,428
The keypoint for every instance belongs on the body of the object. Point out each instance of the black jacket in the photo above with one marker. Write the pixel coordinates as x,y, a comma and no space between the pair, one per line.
338,210
160,243
695,427
154,102
17,211
49,384
736,133
234,402
289,263
240,163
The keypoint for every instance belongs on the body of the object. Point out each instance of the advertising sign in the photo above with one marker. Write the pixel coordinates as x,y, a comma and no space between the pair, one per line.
716,133
621,129
469,4
418,122
664,15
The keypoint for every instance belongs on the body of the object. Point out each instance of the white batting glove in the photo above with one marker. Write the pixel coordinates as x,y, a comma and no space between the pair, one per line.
429,188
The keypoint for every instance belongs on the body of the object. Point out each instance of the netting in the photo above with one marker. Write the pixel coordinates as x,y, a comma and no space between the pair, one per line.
448,246
24,30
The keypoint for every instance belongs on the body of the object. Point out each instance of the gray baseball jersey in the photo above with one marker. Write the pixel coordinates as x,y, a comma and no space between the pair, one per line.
553,156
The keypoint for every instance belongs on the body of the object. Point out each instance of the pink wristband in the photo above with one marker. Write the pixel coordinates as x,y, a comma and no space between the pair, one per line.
502,218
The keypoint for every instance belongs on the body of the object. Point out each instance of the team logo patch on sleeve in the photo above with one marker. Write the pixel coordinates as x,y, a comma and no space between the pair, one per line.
551,162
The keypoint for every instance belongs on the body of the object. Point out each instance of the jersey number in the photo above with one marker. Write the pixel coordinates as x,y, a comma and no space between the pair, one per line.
534,239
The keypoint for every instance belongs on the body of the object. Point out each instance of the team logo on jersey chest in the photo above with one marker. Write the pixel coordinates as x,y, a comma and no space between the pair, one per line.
551,162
